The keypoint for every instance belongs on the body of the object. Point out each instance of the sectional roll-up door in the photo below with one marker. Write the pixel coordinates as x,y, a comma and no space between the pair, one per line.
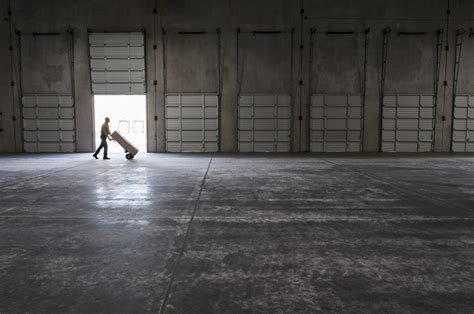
463,124
264,123
408,103
117,63
336,123
408,123
463,107
192,83
192,123
47,89
264,77
48,123
337,81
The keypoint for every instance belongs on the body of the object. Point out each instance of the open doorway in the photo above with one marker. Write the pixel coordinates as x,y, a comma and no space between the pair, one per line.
127,115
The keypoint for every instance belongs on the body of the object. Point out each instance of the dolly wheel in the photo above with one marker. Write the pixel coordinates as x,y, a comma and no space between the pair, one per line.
129,156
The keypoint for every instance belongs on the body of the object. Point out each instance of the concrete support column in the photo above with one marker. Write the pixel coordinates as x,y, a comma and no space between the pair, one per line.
372,98
228,122
84,101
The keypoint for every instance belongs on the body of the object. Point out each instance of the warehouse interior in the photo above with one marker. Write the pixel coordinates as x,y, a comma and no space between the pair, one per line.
294,156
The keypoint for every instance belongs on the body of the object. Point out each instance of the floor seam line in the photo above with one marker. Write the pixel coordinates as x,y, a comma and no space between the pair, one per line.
183,247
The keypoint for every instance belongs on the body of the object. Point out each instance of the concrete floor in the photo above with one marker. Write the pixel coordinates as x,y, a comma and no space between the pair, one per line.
236,233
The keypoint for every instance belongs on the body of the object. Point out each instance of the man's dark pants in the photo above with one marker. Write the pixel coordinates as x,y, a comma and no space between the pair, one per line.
103,144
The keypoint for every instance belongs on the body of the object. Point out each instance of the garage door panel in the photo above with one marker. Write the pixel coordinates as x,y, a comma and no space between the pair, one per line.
264,112
190,147
245,124
426,124
283,136
354,136
283,147
264,118
211,112
283,124
408,123
67,136
332,118
245,112
48,125
463,124
317,112
317,135
388,124
246,136
264,124
264,136
389,112
336,112
355,112
264,147
117,63
354,147
317,124
337,147
210,136
173,136
355,124
336,124
29,124
67,113
192,112
191,123
336,136
48,122
211,124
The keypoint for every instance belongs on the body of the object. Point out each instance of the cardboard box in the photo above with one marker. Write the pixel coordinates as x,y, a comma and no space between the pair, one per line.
124,143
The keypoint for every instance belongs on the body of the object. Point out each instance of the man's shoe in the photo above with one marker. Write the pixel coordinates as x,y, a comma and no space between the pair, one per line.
106,158
95,156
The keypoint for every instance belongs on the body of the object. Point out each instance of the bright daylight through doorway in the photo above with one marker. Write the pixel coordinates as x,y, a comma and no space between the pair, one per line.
127,115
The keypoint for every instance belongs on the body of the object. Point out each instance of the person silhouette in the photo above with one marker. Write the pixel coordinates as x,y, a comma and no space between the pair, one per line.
104,135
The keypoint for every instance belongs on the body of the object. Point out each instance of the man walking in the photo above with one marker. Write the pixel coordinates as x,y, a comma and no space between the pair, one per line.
104,135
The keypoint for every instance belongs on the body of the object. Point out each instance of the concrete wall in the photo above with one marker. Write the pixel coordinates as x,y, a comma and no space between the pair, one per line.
265,61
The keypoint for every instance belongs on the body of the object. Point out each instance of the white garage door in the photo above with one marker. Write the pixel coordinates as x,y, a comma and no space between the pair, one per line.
264,123
192,123
48,123
408,123
336,123
463,124
117,62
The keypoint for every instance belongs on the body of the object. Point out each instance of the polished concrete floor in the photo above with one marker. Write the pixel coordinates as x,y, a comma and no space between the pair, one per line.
237,233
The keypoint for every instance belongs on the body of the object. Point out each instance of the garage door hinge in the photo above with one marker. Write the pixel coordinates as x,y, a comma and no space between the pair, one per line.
14,118
154,47
448,11
12,83
155,11
300,118
301,82
446,48
445,83
302,11
301,47
443,118
11,48
155,82
156,118
9,12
